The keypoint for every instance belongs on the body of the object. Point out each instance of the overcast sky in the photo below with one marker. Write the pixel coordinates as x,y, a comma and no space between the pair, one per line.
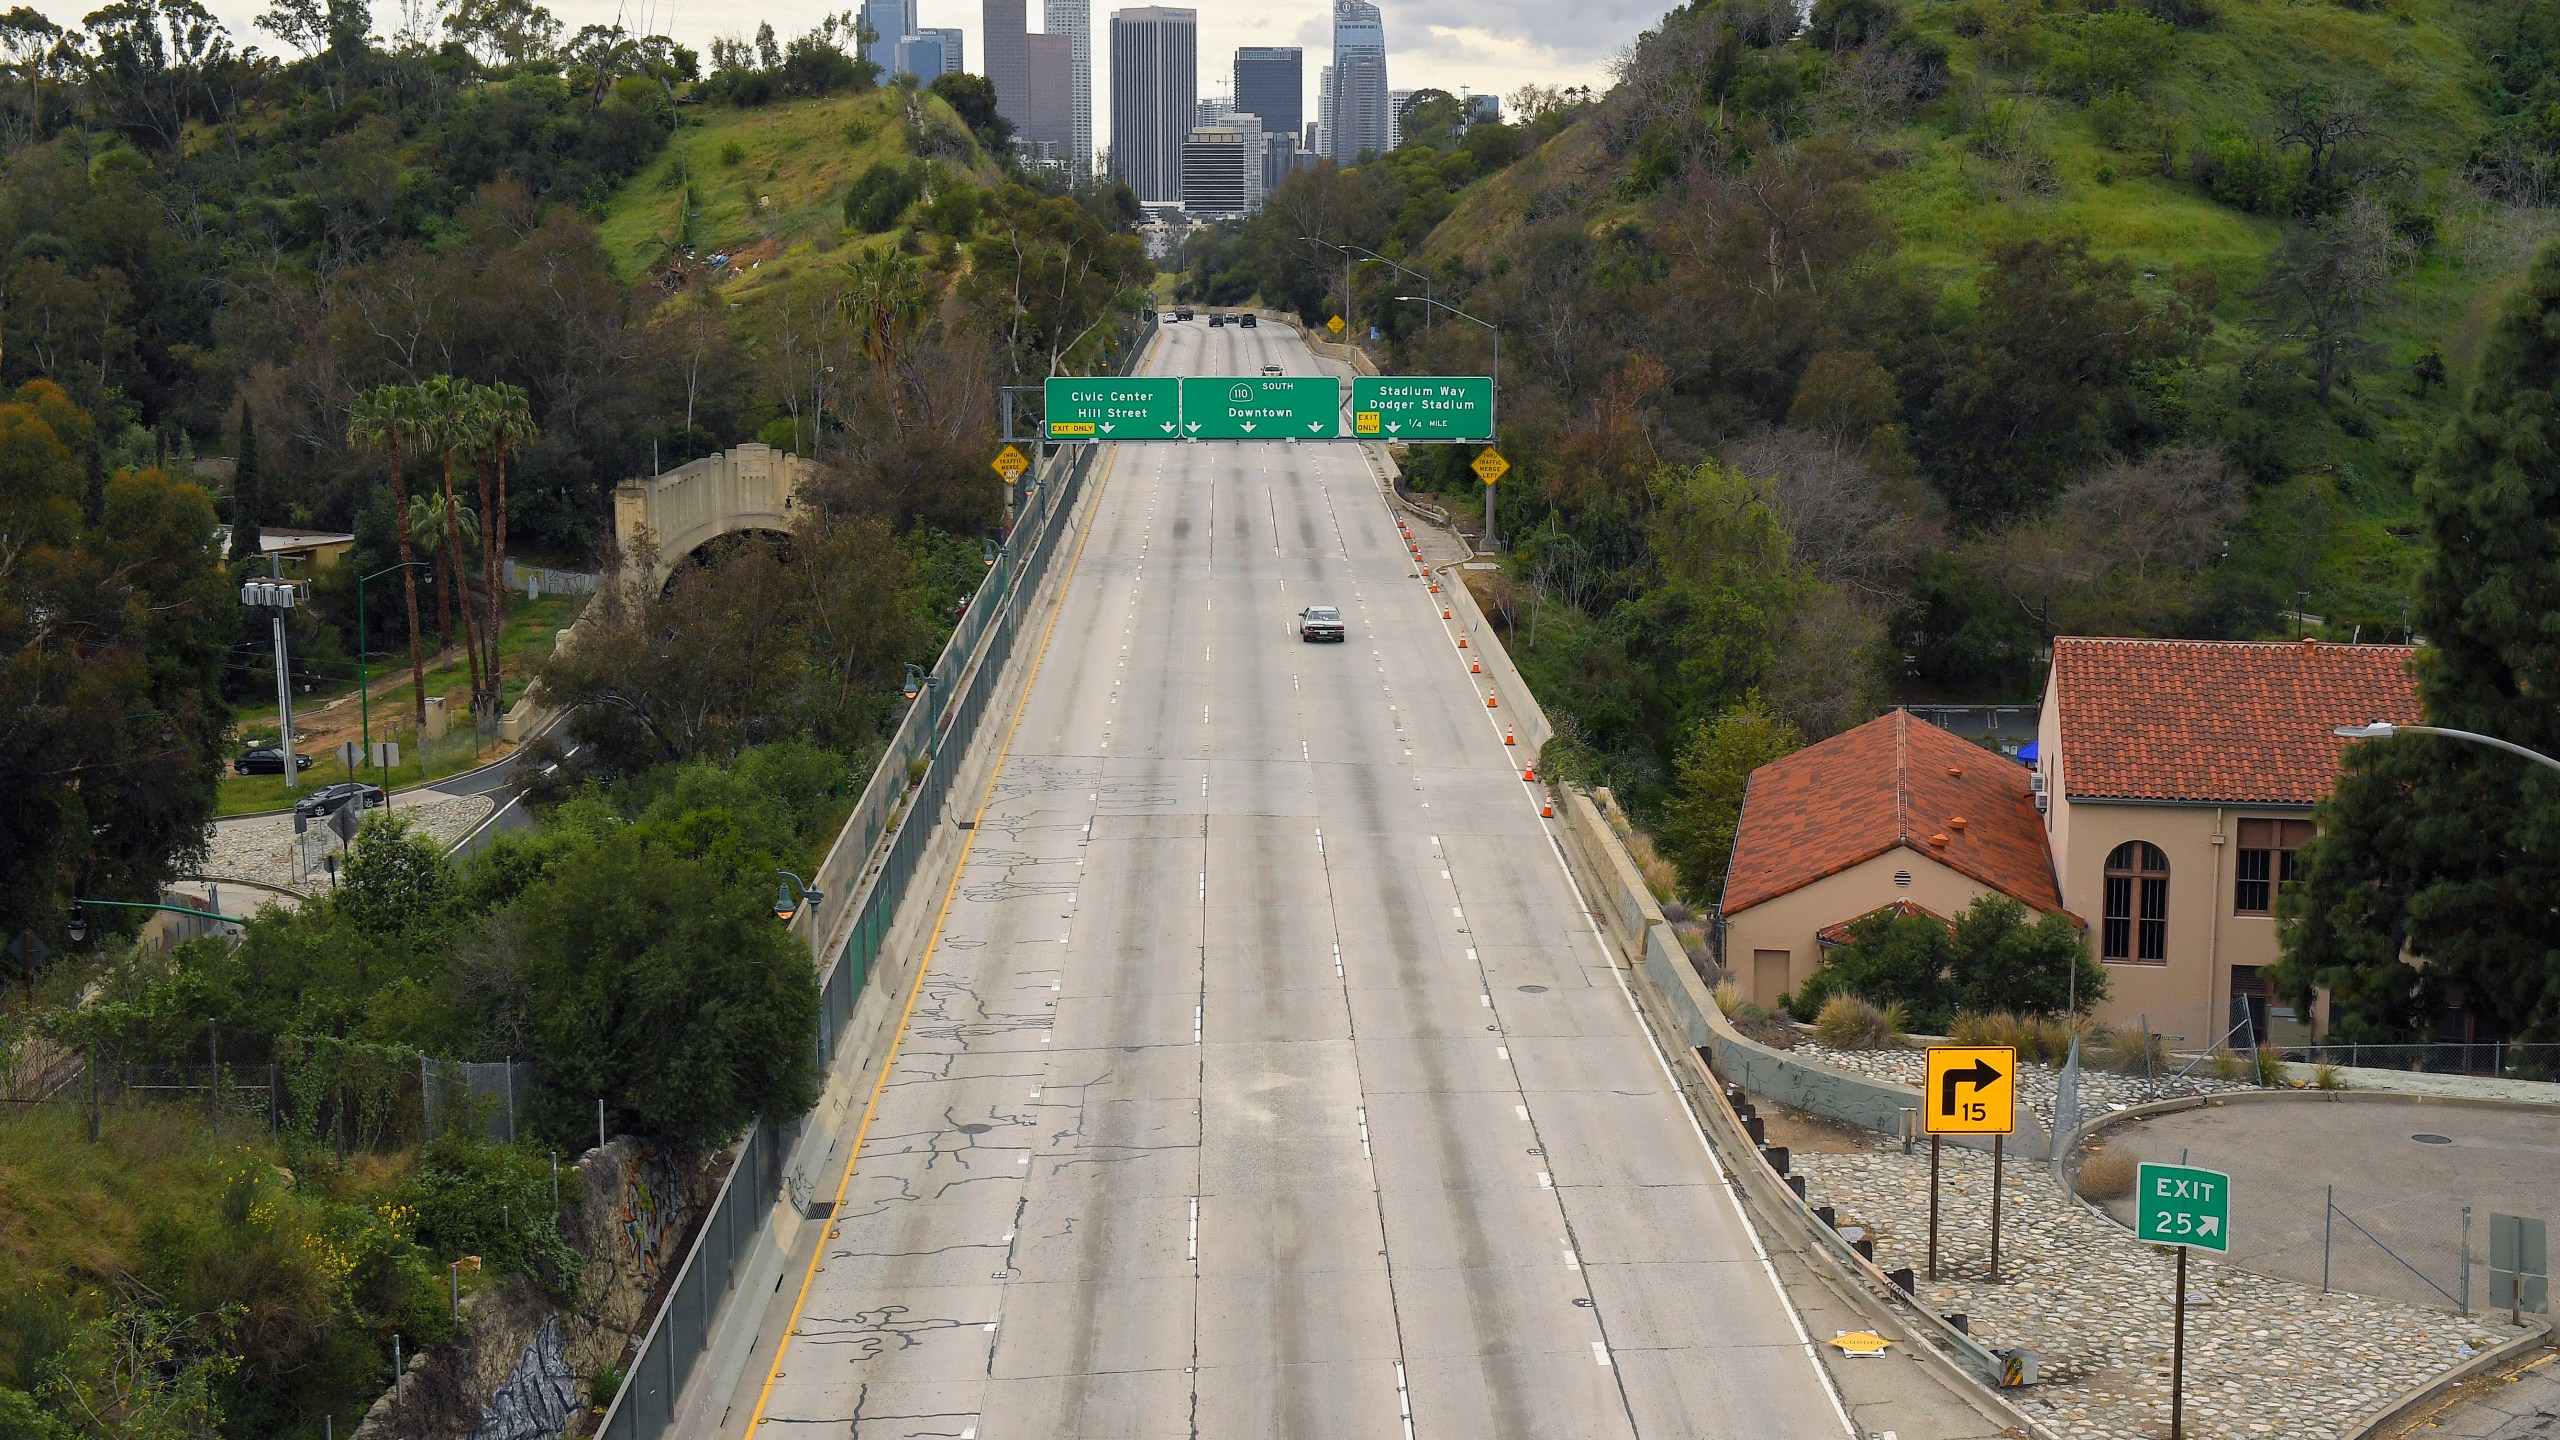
1481,45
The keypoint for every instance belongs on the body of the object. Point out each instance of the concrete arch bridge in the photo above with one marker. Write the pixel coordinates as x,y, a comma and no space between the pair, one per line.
672,514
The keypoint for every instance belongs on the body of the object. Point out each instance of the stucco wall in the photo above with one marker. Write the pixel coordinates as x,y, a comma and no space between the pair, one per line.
2189,995
1789,921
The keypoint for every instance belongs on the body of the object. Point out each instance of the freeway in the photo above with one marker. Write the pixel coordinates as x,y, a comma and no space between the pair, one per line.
1265,1076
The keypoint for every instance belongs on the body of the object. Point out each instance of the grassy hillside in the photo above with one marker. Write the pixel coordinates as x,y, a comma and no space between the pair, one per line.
766,184
2011,149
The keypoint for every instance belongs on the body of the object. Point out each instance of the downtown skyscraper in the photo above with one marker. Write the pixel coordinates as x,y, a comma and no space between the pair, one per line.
1074,19
1008,59
1155,87
1357,119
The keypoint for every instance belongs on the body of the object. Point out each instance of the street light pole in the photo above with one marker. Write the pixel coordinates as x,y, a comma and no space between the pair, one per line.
278,597
1345,252
364,686
1401,270
1492,535
2385,729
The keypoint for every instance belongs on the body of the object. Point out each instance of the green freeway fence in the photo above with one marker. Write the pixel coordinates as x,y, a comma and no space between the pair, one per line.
938,728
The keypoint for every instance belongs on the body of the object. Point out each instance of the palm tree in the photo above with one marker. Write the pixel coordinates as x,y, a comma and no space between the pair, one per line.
440,526
383,417
508,423
446,403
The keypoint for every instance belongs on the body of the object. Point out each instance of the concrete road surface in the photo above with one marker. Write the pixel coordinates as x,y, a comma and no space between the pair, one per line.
1266,1077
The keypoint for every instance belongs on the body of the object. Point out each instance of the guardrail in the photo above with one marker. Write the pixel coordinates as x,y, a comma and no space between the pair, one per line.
876,877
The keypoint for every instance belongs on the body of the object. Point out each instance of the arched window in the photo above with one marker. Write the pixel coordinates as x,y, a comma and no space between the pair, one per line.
2137,914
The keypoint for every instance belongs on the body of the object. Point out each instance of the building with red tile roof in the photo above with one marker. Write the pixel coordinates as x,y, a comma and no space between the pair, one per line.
1894,812
2178,779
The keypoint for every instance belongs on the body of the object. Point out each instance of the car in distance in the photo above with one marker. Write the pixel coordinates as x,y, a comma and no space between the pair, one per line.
1216,319
1181,314
266,760
330,799
1320,622
1246,321
1270,369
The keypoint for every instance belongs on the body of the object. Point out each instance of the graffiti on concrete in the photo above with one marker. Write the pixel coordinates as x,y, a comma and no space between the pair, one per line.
537,1398
652,1205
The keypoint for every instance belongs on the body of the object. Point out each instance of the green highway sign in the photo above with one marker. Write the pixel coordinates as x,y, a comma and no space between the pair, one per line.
1421,407
2182,1205
1109,407
1265,407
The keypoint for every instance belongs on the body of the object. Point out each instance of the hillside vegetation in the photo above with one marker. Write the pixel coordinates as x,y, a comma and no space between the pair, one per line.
1851,355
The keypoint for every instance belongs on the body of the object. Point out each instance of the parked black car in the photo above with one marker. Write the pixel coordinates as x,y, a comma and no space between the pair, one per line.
266,760
330,799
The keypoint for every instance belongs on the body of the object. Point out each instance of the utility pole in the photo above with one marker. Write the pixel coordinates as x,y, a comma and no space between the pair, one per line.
277,597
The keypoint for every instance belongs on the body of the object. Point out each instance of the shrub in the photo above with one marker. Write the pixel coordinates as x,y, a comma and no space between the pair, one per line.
2125,1051
2227,1065
1728,997
2326,1077
2107,1176
732,153
2270,1068
1849,1023
882,195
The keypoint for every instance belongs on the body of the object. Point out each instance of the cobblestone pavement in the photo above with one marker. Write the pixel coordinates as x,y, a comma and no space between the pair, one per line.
263,850
2100,1090
2265,1356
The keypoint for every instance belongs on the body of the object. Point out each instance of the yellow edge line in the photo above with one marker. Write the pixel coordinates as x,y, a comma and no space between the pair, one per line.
889,1062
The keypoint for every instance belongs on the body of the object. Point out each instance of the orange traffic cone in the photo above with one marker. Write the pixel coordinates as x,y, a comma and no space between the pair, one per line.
1547,811
1462,642
1506,738
1489,702
1475,668
1444,613
1435,587
1529,772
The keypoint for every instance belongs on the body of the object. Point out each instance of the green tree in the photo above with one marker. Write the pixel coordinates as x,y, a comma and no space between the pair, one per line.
2047,377
1729,579
396,881
1711,772
112,637
2434,847
1890,959
248,505
2005,961
656,979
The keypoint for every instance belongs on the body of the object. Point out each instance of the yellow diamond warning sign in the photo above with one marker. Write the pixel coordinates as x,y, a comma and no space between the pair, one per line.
1010,464
1490,466
1334,324
1972,1090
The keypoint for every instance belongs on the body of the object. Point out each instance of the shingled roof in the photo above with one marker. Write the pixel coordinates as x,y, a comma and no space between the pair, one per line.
1893,781
2217,721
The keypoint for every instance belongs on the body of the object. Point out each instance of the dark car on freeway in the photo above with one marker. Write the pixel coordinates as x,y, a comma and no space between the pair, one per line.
330,799
266,760
1181,314
1320,622
1216,319
1247,322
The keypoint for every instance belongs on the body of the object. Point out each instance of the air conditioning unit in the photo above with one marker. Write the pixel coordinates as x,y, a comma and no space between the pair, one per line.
2042,800
2035,781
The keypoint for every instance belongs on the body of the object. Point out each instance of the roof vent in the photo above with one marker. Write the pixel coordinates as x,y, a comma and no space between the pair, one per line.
2310,642
1955,769
1902,877
1955,822
1939,839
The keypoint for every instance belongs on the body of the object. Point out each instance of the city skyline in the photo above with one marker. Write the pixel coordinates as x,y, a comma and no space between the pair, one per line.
1490,46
